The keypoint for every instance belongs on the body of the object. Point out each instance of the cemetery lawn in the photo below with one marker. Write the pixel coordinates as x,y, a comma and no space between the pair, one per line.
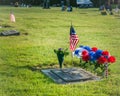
42,31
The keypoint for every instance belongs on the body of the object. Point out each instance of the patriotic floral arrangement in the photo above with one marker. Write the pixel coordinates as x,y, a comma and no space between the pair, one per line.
99,59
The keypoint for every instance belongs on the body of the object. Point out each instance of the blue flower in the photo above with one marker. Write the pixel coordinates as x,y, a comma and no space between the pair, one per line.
92,56
87,48
78,52
81,46
98,53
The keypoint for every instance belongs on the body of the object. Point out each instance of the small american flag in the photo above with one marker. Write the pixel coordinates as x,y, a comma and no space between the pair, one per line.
73,39
12,17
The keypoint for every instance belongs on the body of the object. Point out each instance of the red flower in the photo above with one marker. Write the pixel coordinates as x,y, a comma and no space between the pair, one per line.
84,53
85,58
94,49
102,60
111,59
105,53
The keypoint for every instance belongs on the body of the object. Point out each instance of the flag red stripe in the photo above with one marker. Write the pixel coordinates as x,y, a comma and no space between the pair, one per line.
73,41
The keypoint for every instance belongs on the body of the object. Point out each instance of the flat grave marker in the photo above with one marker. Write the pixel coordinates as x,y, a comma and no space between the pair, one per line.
69,75
10,33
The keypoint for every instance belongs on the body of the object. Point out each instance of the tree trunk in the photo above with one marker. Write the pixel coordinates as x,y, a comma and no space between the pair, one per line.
68,2
119,2
109,2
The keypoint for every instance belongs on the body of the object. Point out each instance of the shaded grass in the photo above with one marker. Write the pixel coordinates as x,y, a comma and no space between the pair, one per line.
48,30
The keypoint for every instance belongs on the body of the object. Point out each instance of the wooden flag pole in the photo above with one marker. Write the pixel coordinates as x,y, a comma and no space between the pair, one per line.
71,23
71,51
73,40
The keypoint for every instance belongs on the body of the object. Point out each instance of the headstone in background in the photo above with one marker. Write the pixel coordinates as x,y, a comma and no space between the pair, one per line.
16,4
12,17
63,7
46,4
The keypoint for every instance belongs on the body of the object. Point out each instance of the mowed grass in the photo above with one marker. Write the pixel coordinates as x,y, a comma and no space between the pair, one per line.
48,29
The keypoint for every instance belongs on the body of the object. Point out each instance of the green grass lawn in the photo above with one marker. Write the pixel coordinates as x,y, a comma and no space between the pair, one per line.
48,29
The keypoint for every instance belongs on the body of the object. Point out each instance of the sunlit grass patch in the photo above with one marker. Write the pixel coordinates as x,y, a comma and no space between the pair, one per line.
48,30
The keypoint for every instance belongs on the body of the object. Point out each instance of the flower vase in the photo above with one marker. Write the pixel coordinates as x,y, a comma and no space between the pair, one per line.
60,55
60,59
